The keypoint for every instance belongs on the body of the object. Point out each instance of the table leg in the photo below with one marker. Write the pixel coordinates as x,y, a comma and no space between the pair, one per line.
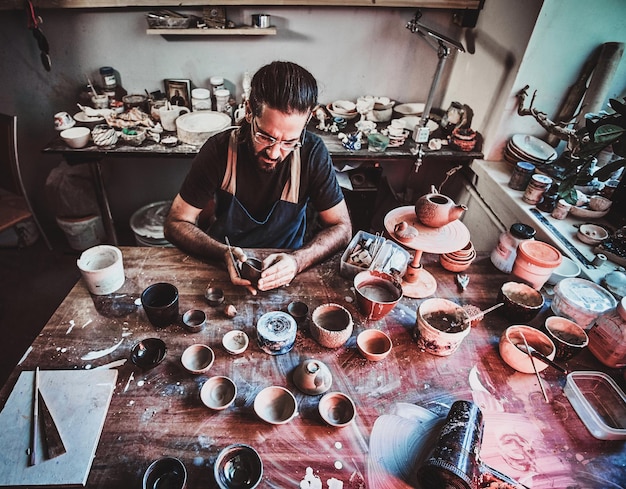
103,201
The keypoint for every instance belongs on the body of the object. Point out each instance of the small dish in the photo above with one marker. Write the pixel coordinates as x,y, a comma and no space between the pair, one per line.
197,358
148,353
567,269
592,234
167,472
599,203
238,466
275,405
374,344
336,409
214,296
235,342
218,393
568,338
194,320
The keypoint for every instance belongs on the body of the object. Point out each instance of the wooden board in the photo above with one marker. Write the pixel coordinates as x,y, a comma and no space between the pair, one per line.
78,401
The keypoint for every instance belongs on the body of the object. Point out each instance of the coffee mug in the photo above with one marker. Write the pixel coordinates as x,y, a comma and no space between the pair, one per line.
240,114
169,116
62,120
160,302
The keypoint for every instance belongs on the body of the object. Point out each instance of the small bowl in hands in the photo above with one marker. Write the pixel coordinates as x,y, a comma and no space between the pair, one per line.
519,360
275,405
235,342
567,269
197,358
568,338
331,325
251,270
592,234
76,137
148,353
218,393
166,471
238,466
374,344
521,302
336,409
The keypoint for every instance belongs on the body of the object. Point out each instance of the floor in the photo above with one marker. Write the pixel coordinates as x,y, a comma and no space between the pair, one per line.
33,282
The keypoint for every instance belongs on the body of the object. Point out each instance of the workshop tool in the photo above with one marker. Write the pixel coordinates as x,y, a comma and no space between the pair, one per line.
532,361
34,433
54,445
232,257
34,21
540,356
454,461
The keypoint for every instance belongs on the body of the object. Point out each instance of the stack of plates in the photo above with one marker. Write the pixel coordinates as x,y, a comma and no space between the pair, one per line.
147,224
524,147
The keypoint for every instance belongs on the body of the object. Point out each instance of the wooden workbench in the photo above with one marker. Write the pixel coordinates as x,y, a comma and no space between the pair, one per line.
158,412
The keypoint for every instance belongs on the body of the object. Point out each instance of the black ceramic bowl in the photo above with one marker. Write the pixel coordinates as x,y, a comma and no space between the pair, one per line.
251,270
238,466
148,353
521,302
165,472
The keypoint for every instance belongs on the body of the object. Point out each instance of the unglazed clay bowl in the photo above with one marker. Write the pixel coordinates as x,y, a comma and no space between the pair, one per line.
197,358
520,360
592,234
521,302
567,269
218,393
275,405
194,320
374,344
238,466
568,338
331,325
336,409
235,342
441,326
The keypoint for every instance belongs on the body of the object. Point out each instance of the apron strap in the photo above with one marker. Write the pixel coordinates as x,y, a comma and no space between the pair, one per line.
291,190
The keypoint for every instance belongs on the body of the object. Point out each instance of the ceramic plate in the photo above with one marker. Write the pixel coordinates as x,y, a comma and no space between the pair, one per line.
586,213
82,117
410,121
533,147
413,108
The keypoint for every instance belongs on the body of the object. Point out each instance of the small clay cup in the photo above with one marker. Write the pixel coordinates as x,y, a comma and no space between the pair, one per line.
275,405
218,393
166,471
568,338
374,344
331,325
521,302
377,293
251,270
160,302
197,358
238,466
336,409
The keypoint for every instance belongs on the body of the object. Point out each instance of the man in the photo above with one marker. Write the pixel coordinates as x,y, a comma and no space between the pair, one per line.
258,180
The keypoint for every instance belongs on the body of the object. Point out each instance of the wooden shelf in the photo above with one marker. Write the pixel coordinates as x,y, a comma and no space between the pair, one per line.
238,31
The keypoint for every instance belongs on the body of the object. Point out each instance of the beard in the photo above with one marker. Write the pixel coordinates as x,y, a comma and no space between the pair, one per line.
265,163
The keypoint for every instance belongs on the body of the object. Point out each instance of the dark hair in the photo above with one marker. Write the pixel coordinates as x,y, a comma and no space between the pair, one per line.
283,86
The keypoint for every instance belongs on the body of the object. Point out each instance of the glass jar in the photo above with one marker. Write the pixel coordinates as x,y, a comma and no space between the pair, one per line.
200,99
536,187
521,175
607,337
109,80
503,255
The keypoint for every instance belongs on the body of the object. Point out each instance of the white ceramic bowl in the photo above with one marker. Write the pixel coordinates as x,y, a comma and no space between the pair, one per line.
76,137
235,342
567,269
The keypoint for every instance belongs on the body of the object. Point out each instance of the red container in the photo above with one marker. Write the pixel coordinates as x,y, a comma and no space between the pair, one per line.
535,262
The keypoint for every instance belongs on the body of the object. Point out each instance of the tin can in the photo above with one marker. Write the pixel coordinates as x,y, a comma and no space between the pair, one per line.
536,187
521,175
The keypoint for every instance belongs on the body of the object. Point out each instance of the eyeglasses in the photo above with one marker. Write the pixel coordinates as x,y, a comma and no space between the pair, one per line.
268,141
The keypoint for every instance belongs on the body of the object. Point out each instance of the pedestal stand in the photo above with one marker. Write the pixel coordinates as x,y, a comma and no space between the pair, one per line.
418,282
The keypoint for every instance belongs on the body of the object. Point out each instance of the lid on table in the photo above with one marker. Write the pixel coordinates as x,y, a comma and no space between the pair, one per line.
522,231
585,294
540,253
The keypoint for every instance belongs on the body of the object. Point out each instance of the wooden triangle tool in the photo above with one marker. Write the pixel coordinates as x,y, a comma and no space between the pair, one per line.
52,438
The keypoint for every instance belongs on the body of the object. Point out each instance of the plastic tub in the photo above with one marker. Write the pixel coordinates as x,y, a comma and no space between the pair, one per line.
581,300
535,262
599,402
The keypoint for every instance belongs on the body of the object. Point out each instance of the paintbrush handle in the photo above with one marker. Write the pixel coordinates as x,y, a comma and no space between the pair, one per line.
532,361
35,427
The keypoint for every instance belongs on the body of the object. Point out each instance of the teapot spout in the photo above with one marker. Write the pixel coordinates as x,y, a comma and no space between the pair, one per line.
457,211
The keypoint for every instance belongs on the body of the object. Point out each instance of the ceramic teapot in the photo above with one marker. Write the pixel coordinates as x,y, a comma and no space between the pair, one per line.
436,210
312,377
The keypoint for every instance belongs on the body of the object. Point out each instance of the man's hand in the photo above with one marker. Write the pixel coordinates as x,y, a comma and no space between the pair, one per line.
237,256
278,269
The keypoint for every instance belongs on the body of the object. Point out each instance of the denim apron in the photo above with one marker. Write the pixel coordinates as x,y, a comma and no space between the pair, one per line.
283,227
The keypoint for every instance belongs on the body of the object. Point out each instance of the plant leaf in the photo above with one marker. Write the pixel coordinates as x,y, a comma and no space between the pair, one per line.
618,106
603,174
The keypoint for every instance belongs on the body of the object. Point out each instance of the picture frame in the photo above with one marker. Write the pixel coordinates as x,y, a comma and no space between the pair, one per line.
178,92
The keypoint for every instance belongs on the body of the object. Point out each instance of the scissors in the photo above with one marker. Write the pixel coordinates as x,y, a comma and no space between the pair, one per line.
33,24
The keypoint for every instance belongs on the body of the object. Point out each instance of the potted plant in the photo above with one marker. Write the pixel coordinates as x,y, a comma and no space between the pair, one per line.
584,144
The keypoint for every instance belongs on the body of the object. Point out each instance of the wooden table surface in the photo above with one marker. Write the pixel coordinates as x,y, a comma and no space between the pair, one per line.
158,412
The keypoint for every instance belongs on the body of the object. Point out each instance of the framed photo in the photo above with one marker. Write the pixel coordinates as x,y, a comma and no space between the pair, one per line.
178,92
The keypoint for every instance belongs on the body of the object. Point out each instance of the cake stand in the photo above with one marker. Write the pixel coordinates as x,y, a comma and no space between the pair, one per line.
418,282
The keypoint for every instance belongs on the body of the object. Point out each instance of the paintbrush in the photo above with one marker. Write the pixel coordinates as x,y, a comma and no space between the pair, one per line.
34,434
482,313
232,257
532,361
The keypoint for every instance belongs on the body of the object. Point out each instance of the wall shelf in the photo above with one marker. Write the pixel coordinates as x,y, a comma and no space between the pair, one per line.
237,31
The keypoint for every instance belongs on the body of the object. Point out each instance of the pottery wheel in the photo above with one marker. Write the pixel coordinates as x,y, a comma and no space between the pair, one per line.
448,238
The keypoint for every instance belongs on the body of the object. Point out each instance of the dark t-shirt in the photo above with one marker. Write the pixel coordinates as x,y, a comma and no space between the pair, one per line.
258,190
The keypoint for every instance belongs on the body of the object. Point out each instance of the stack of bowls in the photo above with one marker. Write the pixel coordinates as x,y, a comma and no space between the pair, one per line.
458,261
382,111
524,147
343,108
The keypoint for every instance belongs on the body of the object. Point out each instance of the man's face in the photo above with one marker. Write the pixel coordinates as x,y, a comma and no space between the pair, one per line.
284,129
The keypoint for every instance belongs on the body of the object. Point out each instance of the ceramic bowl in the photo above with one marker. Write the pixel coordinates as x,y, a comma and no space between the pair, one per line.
197,358
518,359
453,265
251,270
76,137
214,296
340,112
441,326
148,353
599,203
567,269
298,310
218,393
275,405
568,338
377,293
194,320
336,409
168,469
238,466
374,344
331,325
592,234
521,302
235,342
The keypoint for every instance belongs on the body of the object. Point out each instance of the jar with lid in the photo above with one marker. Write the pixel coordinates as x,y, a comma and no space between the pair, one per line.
503,255
521,175
109,80
200,99
536,187
607,337
217,83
